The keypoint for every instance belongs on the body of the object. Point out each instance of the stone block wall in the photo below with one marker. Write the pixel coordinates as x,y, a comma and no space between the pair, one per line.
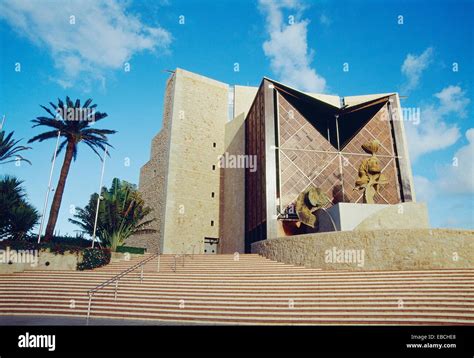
153,177
409,249
200,111
232,230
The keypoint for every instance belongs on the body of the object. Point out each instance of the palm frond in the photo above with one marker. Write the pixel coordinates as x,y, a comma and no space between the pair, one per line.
61,147
69,102
44,136
9,149
48,122
87,103
49,111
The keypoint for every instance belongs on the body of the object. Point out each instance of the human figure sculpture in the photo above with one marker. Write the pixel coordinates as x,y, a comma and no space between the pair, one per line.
370,173
307,203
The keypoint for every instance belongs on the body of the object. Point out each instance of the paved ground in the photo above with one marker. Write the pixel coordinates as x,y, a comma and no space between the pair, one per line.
72,321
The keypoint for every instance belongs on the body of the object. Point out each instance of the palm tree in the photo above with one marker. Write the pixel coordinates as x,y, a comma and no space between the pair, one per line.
122,213
17,216
74,123
24,218
9,149
85,217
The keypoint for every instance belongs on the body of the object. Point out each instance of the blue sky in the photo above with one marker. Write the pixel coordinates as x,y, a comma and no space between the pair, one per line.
404,46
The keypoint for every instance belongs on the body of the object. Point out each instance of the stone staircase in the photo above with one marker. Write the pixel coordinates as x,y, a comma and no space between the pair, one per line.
248,289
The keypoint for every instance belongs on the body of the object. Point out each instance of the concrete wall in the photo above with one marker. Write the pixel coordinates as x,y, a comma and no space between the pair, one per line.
405,215
232,229
354,100
46,261
412,249
355,216
153,178
332,100
243,98
200,111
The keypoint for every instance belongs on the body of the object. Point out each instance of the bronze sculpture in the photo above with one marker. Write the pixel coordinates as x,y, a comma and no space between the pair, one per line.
307,203
370,173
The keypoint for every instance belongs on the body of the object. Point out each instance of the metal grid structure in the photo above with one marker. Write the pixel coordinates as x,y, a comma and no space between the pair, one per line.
308,158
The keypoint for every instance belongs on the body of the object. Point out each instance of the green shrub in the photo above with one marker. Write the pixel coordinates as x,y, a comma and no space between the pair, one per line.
71,241
54,247
18,245
94,257
131,250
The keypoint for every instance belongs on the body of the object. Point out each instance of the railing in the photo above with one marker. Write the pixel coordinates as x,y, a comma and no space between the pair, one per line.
183,255
116,279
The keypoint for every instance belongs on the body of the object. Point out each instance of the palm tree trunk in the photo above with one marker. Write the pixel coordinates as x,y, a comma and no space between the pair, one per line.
58,195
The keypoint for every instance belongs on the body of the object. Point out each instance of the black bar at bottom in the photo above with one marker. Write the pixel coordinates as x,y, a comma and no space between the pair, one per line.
402,341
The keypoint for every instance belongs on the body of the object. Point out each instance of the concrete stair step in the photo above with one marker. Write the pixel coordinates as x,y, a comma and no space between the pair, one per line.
252,290
244,300
282,280
250,307
243,286
266,311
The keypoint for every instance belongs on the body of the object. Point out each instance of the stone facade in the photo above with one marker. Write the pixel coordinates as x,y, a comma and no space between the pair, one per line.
182,181
232,230
200,112
410,249
153,176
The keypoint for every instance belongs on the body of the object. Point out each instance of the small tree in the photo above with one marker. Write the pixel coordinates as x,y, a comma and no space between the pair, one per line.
122,213
17,216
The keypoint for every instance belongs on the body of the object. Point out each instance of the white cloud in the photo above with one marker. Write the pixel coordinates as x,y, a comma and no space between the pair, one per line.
458,177
453,99
413,67
287,46
424,188
433,132
103,37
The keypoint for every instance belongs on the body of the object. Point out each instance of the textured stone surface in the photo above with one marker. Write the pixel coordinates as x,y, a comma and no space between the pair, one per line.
46,261
200,110
409,249
232,229
179,181
153,177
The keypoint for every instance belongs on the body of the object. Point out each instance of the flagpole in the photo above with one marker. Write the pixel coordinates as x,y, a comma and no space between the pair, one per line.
49,188
3,122
98,198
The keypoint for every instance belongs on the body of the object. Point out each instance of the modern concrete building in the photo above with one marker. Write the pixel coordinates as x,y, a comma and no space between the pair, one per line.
231,160
182,181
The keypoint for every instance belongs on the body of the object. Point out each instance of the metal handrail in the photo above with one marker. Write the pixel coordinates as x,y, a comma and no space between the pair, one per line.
183,255
192,253
116,279
174,268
